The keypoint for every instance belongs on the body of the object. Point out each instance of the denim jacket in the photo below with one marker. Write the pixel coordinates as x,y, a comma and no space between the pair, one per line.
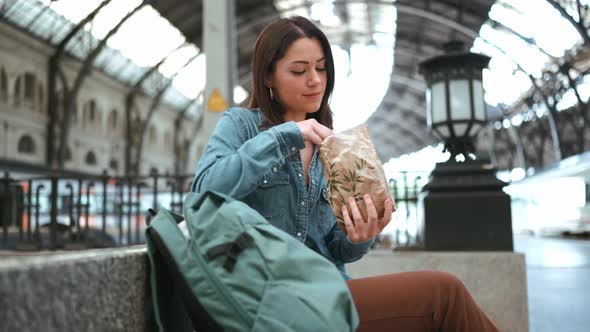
264,170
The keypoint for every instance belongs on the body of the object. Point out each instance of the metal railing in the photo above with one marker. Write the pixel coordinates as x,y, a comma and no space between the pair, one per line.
66,212
405,189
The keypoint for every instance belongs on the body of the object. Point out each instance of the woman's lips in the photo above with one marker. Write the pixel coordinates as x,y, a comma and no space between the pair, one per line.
313,95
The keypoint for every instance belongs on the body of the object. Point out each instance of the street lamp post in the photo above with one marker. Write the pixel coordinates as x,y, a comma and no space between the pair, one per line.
463,206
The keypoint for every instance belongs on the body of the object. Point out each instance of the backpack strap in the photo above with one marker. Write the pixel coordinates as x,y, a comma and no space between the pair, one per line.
175,306
196,201
151,213
230,250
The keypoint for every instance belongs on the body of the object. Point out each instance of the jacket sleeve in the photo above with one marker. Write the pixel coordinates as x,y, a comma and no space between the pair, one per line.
342,249
233,165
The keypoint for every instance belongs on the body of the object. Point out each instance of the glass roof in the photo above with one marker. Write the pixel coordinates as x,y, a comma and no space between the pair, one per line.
523,37
143,41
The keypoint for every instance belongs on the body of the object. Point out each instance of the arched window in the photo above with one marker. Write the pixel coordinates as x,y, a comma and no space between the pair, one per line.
90,158
112,121
41,98
26,144
114,164
92,110
89,112
30,84
17,95
3,86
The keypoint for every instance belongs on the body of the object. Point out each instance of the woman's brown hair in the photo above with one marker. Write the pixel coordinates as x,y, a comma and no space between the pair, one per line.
271,45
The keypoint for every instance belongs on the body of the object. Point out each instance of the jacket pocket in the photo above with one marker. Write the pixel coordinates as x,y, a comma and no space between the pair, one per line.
272,195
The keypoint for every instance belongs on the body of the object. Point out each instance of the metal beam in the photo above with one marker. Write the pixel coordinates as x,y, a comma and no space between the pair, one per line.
39,14
52,71
406,132
154,105
178,121
82,74
401,8
130,102
482,11
519,148
403,103
579,26
551,118
531,41
409,82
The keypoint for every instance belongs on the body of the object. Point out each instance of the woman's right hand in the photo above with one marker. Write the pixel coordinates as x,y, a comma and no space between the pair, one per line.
314,132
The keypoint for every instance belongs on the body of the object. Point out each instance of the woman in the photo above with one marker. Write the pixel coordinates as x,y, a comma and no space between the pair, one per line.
267,156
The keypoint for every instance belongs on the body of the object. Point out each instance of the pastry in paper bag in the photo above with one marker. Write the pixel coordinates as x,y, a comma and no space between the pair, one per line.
353,169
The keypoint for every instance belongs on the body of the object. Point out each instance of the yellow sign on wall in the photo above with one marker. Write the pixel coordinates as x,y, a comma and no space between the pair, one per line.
216,103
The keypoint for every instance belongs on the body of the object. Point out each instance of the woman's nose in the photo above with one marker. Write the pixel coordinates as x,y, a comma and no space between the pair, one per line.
314,78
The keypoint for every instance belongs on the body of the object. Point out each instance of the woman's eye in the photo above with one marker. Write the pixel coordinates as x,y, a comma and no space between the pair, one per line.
321,69
298,72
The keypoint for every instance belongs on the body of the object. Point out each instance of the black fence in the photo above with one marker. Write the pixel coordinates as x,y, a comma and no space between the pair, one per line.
61,212
405,188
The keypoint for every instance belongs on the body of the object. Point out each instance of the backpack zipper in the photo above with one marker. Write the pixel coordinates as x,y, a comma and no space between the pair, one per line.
225,294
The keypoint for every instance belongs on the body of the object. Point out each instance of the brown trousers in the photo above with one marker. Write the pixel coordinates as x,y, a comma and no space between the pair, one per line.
416,301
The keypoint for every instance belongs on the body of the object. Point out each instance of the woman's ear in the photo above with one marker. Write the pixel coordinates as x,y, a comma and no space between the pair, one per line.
268,82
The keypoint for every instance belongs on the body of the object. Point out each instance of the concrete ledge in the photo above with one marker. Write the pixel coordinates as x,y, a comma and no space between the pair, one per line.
497,280
93,290
104,290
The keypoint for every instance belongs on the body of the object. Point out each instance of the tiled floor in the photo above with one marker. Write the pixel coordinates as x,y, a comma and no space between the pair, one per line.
558,277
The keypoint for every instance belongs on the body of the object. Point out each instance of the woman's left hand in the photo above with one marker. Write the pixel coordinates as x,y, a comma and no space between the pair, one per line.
365,230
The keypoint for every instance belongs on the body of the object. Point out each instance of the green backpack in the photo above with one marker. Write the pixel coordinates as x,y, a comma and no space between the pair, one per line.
231,270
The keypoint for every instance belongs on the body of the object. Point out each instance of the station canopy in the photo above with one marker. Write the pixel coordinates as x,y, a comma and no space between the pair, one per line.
377,45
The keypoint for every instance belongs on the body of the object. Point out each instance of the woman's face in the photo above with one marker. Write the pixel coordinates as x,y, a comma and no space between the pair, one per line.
299,80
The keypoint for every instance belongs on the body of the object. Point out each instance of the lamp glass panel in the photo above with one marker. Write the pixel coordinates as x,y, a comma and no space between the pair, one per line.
444,130
460,129
428,108
460,103
438,102
476,127
479,101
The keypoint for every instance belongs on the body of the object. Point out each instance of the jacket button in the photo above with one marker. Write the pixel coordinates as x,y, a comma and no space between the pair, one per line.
299,234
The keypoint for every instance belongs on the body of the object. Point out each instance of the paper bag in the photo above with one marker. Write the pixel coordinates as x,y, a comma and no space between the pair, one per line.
353,169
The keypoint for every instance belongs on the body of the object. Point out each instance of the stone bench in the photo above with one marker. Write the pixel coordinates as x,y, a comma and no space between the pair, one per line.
91,290
104,290
497,280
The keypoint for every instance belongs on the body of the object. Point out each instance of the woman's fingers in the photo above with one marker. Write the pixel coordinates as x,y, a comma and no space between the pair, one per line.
372,218
352,235
364,230
356,213
314,138
362,226
322,131
313,131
